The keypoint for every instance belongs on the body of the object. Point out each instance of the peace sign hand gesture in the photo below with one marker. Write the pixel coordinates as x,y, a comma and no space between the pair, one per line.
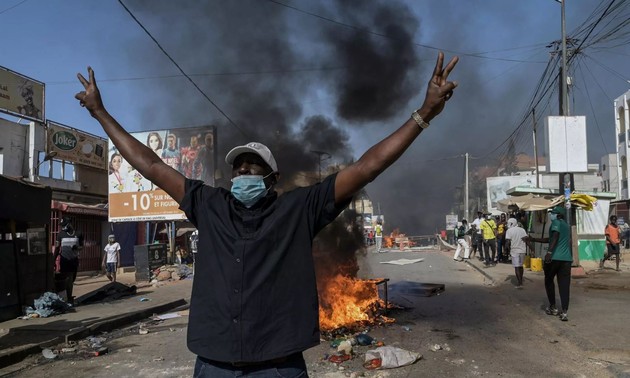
440,89
90,98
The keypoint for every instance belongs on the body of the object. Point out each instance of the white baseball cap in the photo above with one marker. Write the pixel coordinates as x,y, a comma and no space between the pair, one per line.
256,148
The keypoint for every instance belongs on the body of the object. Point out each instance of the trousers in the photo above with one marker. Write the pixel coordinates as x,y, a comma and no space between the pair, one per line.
462,244
487,245
561,270
293,367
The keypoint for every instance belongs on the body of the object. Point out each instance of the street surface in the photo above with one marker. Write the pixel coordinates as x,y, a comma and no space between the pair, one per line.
482,328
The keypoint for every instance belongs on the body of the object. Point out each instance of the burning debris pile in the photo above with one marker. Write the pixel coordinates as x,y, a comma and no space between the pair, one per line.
397,240
346,303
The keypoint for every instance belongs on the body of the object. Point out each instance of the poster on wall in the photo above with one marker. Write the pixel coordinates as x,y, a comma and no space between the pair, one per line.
76,146
498,186
21,96
36,239
451,221
191,151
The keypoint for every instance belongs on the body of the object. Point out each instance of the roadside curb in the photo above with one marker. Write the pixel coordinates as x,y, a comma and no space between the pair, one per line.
18,354
122,320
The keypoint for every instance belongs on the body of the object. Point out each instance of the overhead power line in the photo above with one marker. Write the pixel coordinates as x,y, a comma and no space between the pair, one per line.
591,103
211,74
368,31
16,5
182,71
612,19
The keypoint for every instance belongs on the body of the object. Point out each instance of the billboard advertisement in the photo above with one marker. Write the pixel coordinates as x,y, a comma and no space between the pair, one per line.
451,221
498,187
21,96
76,146
191,151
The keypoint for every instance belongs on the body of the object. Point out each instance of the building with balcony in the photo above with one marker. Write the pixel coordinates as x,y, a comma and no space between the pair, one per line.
621,206
622,125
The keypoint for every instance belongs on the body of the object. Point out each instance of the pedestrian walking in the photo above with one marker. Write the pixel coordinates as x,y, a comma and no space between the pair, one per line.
613,242
254,304
460,234
515,246
557,262
68,243
111,259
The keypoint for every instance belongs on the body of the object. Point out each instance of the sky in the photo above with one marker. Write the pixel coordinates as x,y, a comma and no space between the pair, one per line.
330,76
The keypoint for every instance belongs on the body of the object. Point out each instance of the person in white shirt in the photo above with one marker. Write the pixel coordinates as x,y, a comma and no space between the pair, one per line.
516,247
111,259
477,237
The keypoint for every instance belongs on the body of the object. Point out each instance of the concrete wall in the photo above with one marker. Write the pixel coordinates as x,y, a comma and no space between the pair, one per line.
588,181
13,148
20,148
92,180
610,175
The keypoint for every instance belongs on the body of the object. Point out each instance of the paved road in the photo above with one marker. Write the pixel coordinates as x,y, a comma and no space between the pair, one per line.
484,328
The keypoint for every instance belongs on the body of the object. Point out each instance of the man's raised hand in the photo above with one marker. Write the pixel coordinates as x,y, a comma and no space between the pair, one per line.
90,98
440,89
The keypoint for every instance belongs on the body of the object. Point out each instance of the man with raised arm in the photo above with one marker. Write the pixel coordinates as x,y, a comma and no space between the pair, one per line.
254,305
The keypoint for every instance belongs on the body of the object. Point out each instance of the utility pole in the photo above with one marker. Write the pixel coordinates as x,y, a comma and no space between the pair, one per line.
564,103
466,190
320,155
535,149
566,180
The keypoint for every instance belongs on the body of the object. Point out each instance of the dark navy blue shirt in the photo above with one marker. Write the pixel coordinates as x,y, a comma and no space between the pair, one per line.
254,295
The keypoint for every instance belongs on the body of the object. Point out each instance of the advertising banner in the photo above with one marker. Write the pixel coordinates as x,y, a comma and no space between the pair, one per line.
76,146
498,187
21,96
451,221
191,151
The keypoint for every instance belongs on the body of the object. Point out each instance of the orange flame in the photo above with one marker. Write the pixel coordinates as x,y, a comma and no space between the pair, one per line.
346,301
388,242
402,243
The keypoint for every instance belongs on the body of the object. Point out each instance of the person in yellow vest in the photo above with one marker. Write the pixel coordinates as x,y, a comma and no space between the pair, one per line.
489,231
378,236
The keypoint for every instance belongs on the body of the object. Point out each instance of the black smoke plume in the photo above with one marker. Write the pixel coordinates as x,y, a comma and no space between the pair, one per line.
299,84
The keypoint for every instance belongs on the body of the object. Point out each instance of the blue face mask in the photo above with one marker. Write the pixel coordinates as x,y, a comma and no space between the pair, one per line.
248,189
553,216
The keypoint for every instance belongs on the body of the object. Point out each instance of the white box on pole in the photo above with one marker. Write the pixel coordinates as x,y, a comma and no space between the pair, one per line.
566,144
